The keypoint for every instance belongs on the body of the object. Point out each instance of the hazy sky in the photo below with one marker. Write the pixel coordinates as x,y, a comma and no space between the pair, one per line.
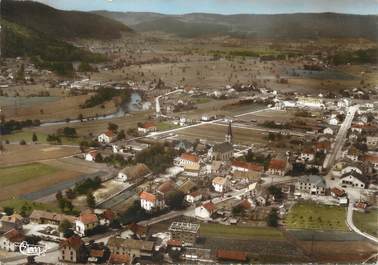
221,6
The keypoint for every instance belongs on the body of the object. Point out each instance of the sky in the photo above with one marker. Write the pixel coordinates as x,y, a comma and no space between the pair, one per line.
221,6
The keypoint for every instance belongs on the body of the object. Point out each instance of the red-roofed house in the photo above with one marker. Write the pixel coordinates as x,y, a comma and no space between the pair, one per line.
206,210
106,137
372,159
193,197
151,202
86,222
10,240
91,155
187,159
278,167
119,259
147,127
242,166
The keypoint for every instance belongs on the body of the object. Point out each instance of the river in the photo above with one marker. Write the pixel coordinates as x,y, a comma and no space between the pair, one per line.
132,106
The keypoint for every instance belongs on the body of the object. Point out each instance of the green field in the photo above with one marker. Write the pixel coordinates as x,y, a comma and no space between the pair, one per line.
239,232
17,205
16,174
308,215
165,126
28,136
367,222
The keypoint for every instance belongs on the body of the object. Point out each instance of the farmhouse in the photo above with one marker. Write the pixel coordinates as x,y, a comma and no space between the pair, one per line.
91,155
354,180
106,137
131,247
205,211
372,159
86,222
193,197
44,217
10,240
313,184
9,222
73,250
133,173
147,127
220,184
278,167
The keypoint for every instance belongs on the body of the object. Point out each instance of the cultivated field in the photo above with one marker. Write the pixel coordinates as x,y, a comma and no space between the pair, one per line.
21,154
308,215
367,222
23,179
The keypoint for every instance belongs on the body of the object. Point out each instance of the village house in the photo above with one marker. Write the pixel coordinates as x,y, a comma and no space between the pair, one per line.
333,120
192,169
151,202
323,146
336,192
147,127
105,216
119,259
11,240
186,233
307,155
278,167
372,158
220,184
133,173
8,222
44,217
91,156
241,166
166,187
222,152
106,137
313,184
188,186
73,250
353,180
353,154
131,247
205,211
86,222
193,197
188,159
372,142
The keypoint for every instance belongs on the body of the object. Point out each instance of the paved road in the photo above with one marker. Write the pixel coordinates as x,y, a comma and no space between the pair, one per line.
353,227
339,142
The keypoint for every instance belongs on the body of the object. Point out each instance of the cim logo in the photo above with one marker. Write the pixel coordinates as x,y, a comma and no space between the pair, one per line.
32,250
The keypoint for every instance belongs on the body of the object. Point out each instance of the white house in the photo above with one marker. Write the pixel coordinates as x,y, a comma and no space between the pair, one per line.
278,167
372,141
220,184
313,184
193,197
205,211
106,137
147,127
353,180
151,202
10,240
85,222
91,156
333,120
131,173
351,168
187,159
307,155
328,130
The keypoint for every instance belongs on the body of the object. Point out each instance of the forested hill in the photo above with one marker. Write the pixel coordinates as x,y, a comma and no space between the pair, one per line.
61,24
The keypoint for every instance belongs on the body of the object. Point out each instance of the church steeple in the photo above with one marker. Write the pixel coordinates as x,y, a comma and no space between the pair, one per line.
229,137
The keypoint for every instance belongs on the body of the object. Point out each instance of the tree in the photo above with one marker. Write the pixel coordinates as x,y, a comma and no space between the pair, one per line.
112,127
65,225
91,201
8,210
99,158
276,192
20,75
70,194
175,199
59,196
34,137
121,135
273,218
22,142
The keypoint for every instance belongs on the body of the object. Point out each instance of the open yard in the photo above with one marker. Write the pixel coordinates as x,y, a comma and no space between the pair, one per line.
308,215
367,222
239,232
